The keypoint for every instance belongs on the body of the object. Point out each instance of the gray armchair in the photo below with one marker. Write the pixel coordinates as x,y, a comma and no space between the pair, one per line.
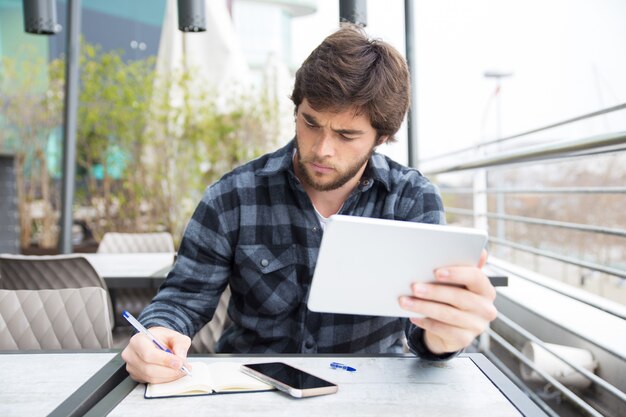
73,318
20,272
136,243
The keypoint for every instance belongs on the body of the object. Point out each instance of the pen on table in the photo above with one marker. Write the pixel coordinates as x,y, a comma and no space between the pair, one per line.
337,365
139,327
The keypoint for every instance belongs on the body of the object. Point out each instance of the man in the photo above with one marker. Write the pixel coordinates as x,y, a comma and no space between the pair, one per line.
259,228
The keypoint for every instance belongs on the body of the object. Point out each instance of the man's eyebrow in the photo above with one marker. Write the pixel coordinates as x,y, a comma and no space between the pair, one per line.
348,131
310,119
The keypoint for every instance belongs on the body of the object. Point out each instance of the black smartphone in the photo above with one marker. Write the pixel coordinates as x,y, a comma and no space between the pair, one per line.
286,378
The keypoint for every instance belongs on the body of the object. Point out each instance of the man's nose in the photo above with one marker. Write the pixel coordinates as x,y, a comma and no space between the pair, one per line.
324,144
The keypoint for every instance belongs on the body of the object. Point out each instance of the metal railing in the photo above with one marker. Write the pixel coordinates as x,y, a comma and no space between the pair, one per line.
549,378
542,222
476,161
546,190
607,110
610,142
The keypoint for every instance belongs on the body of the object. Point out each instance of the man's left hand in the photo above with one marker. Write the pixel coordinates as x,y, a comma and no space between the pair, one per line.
454,314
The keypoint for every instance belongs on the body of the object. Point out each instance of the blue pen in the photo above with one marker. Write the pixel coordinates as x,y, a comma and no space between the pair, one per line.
135,323
337,365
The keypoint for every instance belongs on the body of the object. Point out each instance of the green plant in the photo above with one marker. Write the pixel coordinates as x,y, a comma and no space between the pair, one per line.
147,145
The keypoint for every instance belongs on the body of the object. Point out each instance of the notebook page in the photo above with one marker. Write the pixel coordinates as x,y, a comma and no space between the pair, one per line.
198,383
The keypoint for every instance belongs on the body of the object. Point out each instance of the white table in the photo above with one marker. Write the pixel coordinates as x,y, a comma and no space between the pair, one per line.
32,384
381,386
132,270
35,384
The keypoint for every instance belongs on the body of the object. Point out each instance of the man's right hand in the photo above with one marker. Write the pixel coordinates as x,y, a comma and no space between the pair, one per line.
147,363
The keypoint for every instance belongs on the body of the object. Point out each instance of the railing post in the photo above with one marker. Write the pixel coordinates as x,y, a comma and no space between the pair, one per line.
480,222
480,199
500,208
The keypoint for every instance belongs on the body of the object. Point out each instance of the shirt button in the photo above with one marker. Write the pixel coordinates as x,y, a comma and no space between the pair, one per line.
315,228
265,262
309,344
366,182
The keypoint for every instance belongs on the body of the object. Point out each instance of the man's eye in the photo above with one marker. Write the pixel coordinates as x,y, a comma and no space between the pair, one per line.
346,138
311,125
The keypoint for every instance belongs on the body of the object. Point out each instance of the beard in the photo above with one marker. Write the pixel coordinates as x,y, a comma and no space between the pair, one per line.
343,175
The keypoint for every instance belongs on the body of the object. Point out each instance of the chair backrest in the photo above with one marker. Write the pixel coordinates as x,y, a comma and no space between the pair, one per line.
73,318
21,272
204,341
136,243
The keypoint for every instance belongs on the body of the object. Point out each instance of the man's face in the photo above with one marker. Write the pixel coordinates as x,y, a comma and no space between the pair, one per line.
333,147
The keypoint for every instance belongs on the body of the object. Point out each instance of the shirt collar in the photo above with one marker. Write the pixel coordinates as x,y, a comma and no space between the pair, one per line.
377,168
281,160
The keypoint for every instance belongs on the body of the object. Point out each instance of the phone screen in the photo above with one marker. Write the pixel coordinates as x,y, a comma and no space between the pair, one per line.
289,375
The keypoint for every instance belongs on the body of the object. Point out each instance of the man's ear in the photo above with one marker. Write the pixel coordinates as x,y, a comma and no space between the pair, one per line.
382,140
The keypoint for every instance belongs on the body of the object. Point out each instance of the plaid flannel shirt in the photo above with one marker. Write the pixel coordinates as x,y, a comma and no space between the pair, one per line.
256,230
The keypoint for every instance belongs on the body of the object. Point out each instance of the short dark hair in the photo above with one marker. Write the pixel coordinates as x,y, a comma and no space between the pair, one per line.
349,70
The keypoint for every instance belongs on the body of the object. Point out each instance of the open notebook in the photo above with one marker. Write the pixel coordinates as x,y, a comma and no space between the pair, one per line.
207,379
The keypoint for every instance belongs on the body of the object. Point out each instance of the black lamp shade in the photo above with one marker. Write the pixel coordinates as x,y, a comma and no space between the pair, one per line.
354,11
40,17
191,16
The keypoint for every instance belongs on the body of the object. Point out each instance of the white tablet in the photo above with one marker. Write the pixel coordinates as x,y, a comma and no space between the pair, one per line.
365,264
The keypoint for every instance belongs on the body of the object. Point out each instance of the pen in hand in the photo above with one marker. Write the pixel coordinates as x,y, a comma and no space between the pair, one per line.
139,327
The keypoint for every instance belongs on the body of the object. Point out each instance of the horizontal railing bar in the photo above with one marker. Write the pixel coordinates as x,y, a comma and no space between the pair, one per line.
543,222
529,132
589,375
520,384
556,384
569,260
610,142
613,312
462,211
542,190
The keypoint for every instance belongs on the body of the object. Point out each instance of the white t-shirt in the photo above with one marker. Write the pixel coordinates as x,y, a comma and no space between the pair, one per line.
323,220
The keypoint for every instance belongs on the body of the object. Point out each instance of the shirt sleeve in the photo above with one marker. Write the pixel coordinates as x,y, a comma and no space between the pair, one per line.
415,340
421,202
189,296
